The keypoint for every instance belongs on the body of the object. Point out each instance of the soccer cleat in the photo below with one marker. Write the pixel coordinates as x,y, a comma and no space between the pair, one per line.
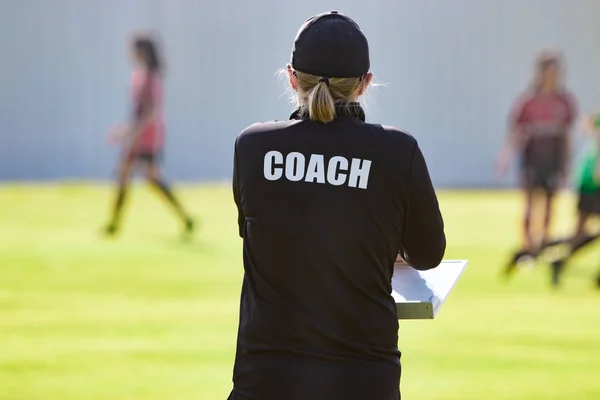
110,231
515,260
190,225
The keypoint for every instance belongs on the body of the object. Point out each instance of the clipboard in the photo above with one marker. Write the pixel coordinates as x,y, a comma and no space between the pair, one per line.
421,294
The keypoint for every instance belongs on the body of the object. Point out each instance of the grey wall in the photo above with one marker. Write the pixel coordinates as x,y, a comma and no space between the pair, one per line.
451,68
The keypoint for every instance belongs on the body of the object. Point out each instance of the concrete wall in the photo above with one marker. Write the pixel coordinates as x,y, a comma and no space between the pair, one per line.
451,70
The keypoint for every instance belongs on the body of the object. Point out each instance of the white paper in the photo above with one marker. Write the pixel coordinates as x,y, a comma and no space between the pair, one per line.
421,294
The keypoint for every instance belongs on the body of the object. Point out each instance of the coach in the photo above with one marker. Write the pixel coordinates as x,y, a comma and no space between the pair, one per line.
326,203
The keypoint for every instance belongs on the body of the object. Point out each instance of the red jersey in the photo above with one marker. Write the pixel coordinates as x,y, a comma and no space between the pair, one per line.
147,91
543,121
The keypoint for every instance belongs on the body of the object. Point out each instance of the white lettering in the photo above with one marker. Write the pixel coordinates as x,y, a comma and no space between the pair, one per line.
316,169
337,171
272,159
294,166
359,174
334,174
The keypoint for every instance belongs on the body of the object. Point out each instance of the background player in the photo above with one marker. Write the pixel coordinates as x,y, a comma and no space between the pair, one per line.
142,139
588,185
540,132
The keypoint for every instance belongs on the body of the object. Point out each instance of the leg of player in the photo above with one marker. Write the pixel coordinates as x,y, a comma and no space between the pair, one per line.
538,223
555,242
549,203
584,241
530,201
157,181
526,249
588,206
579,240
123,179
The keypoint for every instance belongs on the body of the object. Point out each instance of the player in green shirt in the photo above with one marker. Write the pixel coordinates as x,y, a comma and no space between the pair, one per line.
587,182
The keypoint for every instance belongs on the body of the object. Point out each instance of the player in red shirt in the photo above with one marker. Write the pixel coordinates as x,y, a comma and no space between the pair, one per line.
142,139
540,132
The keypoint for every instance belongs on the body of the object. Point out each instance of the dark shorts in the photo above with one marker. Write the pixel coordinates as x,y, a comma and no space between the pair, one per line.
540,176
235,396
146,157
589,203
289,377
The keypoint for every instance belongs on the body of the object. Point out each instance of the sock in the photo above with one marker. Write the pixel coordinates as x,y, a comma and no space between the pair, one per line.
547,220
527,231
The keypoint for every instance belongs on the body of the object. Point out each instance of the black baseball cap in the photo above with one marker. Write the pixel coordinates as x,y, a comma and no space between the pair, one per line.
331,45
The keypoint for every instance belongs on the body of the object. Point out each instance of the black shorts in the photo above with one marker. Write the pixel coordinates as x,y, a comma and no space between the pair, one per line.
290,377
235,396
540,176
589,203
146,157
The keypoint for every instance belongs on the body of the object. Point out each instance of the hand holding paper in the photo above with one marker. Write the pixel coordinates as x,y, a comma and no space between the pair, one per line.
421,294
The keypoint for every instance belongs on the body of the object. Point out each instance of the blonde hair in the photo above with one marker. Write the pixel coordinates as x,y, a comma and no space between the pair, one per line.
322,96
544,60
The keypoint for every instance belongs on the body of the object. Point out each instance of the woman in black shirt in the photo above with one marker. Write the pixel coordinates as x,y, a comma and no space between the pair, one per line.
325,204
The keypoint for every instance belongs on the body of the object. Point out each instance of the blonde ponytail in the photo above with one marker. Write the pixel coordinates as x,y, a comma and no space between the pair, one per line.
320,97
320,103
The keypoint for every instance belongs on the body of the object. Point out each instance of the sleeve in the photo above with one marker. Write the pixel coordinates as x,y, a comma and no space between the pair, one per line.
237,197
517,114
572,108
596,120
424,240
569,122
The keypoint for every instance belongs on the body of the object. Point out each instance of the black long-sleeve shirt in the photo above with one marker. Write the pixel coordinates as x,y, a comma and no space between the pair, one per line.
323,212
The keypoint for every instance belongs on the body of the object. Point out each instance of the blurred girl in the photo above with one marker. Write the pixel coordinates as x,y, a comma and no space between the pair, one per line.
539,131
142,139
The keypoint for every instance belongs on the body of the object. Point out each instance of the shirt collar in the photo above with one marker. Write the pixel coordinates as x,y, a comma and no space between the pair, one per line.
351,110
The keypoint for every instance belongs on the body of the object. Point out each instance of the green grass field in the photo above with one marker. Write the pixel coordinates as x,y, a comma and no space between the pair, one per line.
148,316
